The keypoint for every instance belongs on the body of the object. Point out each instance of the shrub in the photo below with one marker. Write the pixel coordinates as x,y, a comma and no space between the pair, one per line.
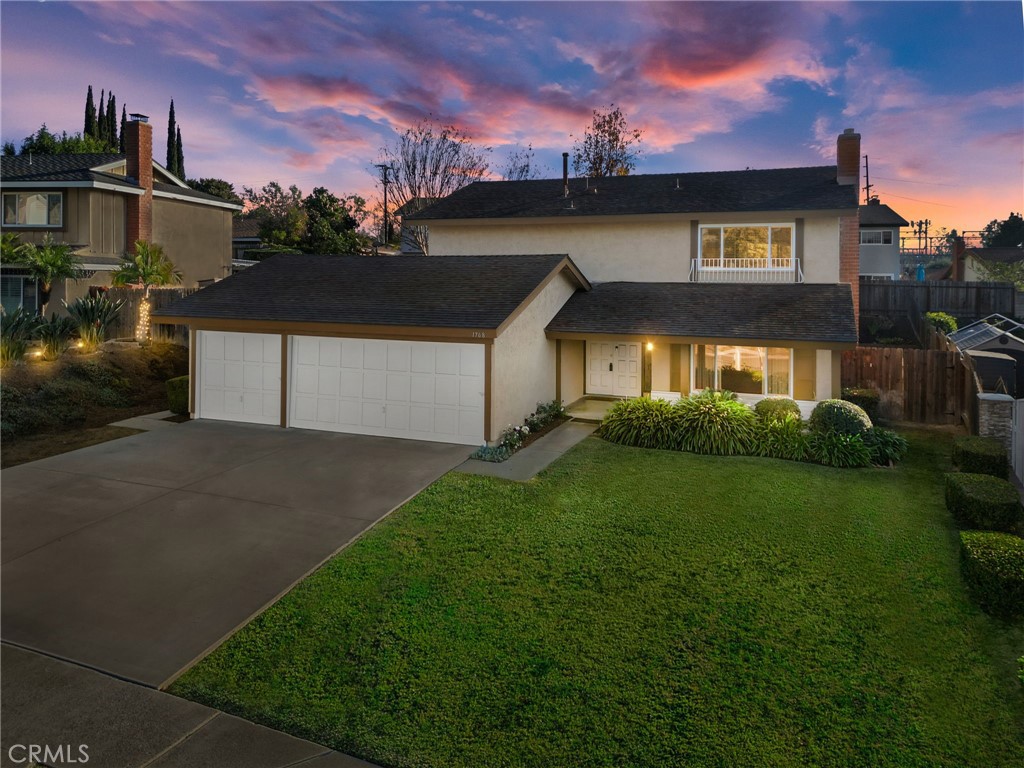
177,395
642,423
16,330
983,502
55,334
713,422
982,455
992,565
776,409
835,449
839,416
544,415
93,315
886,447
782,437
492,453
513,437
868,399
941,320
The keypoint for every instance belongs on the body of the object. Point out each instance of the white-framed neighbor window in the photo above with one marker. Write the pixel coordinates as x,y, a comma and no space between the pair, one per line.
876,237
33,209
746,246
743,370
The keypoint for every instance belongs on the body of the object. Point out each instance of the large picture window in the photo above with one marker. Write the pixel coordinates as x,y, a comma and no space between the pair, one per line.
761,246
33,209
744,370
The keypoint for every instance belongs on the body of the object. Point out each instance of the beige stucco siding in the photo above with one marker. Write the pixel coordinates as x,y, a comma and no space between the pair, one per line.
523,362
197,238
821,250
573,370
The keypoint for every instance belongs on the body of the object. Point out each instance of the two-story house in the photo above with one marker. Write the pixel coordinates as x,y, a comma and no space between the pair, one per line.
101,204
660,284
880,240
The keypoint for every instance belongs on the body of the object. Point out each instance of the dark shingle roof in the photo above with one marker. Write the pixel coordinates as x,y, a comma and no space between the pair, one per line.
29,167
790,312
783,189
876,214
247,228
425,291
999,254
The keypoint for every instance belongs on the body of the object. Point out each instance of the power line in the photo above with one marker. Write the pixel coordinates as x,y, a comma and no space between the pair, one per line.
908,181
917,200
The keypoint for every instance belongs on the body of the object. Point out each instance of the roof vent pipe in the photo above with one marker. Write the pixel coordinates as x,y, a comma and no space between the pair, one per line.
565,174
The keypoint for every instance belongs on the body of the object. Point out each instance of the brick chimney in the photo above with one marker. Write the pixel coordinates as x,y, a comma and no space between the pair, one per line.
138,144
848,158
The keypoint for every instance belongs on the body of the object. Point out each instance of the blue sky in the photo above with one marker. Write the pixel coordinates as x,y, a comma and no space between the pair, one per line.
307,93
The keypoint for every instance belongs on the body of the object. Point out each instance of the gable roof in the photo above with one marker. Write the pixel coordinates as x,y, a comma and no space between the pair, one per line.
876,214
781,189
423,291
998,255
787,312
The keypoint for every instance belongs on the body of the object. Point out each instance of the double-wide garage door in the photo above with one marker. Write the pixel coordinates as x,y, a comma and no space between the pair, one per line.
413,389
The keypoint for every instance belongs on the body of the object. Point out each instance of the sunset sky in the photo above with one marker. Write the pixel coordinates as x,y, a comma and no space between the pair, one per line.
307,93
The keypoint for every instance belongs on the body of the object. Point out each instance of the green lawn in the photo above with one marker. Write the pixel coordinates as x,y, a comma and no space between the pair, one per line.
643,608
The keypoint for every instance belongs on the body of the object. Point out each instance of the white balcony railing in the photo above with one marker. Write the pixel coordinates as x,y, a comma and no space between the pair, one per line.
747,271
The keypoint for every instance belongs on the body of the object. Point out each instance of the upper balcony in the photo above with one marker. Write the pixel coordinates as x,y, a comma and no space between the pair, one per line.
747,270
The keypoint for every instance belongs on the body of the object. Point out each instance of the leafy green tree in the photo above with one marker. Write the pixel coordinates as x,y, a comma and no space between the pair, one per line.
1009,232
320,222
43,142
90,115
9,149
216,187
520,164
149,267
279,212
47,263
608,146
12,250
330,225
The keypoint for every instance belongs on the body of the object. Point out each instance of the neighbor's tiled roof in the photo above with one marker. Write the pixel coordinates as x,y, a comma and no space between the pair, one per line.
782,189
999,254
425,291
244,228
788,312
879,215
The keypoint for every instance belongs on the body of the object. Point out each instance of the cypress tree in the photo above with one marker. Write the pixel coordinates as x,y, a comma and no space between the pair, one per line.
90,116
124,124
172,149
101,122
179,167
112,121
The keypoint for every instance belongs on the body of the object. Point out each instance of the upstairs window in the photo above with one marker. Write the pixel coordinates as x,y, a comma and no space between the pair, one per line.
757,246
33,209
876,237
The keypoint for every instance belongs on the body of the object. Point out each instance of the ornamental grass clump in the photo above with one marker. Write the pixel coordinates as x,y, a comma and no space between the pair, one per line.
886,447
643,423
835,449
56,334
839,416
93,315
715,423
782,438
16,331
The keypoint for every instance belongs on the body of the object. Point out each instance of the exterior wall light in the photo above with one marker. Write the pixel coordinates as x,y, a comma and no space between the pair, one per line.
650,346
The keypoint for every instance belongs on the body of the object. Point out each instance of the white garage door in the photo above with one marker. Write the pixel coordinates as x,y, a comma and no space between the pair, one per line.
420,390
239,377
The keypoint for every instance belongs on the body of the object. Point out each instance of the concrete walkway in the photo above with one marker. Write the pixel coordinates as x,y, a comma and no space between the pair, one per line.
535,457
122,725
147,422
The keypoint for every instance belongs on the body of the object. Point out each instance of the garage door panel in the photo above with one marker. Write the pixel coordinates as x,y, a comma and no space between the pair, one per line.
233,346
421,390
213,375
233,376
307,351
239,376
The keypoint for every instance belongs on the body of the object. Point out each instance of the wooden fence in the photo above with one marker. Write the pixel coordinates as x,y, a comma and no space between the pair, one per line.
124,326
963,300
931,386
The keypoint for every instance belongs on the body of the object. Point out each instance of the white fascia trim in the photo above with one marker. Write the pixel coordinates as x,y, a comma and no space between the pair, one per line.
106,167
197,201
173,179
98,267
56,186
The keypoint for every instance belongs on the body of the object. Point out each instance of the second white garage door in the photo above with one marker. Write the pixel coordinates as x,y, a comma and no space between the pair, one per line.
421,390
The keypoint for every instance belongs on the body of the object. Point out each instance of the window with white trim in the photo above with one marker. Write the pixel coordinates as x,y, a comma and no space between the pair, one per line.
744,370
33,209
746,246
876,237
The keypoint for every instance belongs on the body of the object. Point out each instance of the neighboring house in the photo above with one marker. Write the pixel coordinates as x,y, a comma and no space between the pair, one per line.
654,284
100,205
880,240
973,261
410,240
245,236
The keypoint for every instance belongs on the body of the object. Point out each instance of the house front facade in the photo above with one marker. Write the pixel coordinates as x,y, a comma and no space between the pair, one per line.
658,285
100,204
880,240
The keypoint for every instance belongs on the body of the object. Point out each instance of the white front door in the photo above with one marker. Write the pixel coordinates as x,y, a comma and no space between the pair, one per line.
614,368
239,377
413,389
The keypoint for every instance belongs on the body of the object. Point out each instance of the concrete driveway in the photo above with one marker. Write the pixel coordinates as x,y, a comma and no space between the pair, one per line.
138,556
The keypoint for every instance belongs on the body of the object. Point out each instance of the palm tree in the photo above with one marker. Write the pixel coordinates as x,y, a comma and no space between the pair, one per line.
148,268
47,263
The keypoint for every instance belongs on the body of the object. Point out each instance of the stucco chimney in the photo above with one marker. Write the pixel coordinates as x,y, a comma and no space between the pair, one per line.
848,158
138,144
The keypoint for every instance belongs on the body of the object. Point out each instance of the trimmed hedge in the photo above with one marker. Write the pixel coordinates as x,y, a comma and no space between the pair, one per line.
177,395
776,409
992,565
983,502
868,399
839,416
981,455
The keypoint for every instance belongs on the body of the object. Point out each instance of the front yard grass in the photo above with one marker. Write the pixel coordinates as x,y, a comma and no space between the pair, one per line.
643,608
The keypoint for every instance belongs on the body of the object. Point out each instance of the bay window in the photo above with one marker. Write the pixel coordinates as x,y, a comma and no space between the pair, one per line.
743,370
33,209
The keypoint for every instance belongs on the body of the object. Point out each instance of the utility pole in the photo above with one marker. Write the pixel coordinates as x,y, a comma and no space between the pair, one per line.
867,182
384,180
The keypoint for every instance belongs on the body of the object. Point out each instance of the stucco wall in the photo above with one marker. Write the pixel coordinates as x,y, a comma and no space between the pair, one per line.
523,362
197,238
573,370
803,374
628,248
881,259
